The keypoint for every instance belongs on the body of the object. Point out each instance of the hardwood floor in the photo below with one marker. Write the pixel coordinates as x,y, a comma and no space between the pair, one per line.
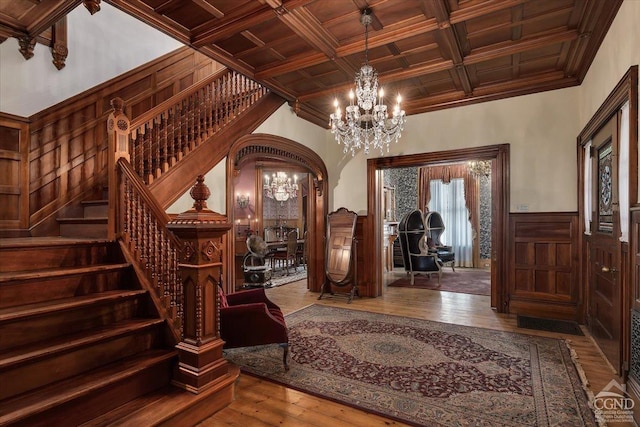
262,403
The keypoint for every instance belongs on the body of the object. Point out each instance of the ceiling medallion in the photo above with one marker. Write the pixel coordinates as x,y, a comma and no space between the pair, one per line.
370,127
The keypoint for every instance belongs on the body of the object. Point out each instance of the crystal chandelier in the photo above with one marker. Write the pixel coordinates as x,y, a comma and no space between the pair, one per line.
480,167
371,126
279,187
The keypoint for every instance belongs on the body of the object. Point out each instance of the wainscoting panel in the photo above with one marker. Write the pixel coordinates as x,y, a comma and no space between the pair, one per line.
543,263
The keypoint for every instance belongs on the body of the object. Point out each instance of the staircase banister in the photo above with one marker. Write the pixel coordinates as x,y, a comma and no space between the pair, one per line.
184,94
143,190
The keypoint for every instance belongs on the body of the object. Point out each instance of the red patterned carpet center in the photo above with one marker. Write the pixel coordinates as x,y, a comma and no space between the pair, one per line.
425,373
464,280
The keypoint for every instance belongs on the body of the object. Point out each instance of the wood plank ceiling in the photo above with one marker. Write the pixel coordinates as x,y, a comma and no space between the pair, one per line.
436,53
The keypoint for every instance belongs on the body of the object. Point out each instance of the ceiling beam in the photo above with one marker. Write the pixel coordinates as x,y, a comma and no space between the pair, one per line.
384,37
450,43
506,48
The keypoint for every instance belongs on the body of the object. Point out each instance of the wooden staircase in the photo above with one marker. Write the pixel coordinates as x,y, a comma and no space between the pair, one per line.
89,326
78,337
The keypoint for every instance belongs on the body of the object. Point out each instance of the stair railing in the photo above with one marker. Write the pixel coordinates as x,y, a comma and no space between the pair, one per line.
165,134
137,219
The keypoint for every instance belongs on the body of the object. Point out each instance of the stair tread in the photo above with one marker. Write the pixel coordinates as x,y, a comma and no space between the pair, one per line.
17,312
83,220
95,202
48,241
60,392
32,352
48,273
156,407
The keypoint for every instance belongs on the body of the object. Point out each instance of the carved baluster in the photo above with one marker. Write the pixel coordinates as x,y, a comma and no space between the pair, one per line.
200,115
191,121
126,207
207,111
170,287
168,155
216,104
134,224
157,153
138,163
223,94
183,128
138,228
229,100
184,124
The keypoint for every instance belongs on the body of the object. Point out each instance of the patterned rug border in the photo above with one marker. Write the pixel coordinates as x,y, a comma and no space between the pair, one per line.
575,376
282,278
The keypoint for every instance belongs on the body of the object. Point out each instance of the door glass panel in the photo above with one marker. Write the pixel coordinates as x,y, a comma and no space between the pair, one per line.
605,177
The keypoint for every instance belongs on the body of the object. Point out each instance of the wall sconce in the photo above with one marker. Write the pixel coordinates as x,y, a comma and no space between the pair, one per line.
243,200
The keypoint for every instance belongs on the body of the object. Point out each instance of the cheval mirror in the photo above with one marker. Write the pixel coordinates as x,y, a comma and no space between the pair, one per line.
341,249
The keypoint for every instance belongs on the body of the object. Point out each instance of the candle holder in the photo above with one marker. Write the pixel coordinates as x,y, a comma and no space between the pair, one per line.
242,200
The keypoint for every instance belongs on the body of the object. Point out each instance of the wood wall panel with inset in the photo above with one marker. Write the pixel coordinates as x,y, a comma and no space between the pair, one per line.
543,265
14,176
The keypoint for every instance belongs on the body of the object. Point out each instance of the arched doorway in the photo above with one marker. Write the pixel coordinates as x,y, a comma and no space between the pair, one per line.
265,148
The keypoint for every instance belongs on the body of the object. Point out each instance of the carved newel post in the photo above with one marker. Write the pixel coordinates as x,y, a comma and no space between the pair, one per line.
203,234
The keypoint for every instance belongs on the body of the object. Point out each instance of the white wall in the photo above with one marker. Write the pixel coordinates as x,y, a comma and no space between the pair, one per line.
96,53
215,179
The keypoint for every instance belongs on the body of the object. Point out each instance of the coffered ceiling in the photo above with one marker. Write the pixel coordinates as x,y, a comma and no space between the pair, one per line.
436,53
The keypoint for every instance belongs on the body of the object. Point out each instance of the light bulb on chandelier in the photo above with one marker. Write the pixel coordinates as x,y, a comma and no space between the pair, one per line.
370,127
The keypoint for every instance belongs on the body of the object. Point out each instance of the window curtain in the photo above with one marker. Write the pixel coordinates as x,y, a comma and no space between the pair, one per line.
446,174
449,200
588,188
623,172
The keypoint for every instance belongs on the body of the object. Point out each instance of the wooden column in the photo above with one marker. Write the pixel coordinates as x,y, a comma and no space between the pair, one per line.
203,234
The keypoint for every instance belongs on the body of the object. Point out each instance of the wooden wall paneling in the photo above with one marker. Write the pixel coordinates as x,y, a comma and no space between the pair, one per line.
14,173
543,265
366,285
633,381
634,241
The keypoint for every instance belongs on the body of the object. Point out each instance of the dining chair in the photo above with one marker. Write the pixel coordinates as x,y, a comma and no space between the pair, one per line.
288,254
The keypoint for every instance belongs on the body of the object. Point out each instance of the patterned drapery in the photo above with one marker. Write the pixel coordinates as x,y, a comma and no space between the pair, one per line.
446,173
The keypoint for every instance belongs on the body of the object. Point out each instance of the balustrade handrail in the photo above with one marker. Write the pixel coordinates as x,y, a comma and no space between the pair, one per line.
155,249
164,135
183,94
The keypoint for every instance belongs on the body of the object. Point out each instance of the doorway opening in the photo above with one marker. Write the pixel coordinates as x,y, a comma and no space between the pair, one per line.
455,202
255,155
499,190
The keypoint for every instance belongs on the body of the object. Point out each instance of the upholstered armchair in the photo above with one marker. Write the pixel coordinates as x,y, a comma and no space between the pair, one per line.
248,318
417,257
435,227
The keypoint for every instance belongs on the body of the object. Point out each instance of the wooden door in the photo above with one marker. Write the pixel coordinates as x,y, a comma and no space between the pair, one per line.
605,306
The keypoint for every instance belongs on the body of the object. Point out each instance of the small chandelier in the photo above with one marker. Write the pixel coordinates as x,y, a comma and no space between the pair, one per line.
480,168
371,126
279,187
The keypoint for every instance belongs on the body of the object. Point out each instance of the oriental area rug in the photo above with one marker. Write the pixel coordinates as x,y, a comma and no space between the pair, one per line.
463,280
425,373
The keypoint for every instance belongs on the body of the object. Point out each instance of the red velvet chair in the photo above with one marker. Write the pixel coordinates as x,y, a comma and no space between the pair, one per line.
248,318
